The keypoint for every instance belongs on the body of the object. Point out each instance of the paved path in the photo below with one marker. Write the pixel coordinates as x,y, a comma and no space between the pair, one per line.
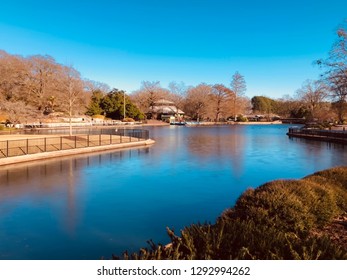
5,137
60,153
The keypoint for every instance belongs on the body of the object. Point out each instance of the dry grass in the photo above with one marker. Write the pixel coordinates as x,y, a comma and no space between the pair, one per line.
284,219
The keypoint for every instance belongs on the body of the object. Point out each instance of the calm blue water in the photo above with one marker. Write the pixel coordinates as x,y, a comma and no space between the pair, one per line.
91,206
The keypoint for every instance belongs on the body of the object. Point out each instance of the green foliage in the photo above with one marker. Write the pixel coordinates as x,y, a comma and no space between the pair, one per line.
112,105
274,221
300,112
263,104
94,105
242,119
133,112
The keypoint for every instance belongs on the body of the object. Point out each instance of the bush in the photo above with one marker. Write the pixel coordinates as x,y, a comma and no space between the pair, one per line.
98,117
274,221
242,119
128,120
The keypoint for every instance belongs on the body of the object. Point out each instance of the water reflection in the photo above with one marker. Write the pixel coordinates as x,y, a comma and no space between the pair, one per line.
55,178
223,145
89,206
48,173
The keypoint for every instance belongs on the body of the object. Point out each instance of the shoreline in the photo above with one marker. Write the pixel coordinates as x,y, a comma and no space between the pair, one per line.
252,123
333,136
290,218
189,124
150,123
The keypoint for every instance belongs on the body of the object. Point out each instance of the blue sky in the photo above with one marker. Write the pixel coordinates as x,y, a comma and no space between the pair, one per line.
122,43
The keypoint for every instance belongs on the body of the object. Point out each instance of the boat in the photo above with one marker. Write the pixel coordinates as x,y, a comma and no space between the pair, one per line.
177,123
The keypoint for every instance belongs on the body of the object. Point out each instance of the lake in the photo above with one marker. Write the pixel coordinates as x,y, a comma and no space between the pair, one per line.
94,205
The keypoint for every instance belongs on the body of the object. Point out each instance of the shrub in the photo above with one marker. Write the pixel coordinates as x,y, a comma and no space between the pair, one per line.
98,117
274,221
128,120
242,119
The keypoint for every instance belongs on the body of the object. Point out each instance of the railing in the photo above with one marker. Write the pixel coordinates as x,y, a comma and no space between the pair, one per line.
339,135
81,139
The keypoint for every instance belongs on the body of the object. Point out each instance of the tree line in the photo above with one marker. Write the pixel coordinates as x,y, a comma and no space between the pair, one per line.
321,100
203,102
37,87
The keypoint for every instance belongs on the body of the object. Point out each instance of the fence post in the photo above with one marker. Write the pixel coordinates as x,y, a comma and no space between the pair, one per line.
45,144
7,148
27,150
110,138
75,141
100,139
88,139
61,143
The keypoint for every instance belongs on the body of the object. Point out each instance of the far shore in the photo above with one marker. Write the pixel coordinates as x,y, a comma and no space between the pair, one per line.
7,134
274,122
150,123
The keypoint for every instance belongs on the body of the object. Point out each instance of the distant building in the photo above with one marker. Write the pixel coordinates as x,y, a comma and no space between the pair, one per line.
267,117
165,110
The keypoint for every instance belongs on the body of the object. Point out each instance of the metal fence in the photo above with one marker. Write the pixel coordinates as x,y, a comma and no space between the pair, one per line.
81,139
339,135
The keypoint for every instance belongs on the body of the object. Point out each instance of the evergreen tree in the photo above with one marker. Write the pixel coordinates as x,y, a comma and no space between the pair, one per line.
117,105
94,105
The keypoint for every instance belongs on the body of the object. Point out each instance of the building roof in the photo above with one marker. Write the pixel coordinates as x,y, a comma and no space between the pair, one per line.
171,110
163,102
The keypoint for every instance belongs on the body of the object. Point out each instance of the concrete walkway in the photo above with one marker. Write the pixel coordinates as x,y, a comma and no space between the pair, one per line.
61,153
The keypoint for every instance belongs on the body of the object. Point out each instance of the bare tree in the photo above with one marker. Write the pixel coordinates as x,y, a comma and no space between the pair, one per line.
92,86
220,96
43,81
178,94
72,92
244,105
198,102
18,112
148,95
238,86
36,81
313,94
13,77
153,90
336,74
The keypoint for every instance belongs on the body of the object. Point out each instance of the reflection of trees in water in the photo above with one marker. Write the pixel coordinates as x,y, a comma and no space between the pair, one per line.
56,178
317,150
46,175
71,216
172,141
221,146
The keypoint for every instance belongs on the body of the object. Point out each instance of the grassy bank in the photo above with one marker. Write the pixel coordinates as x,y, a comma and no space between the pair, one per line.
284,219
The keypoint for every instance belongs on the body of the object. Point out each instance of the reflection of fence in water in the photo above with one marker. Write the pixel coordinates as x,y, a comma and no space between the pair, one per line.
94,138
